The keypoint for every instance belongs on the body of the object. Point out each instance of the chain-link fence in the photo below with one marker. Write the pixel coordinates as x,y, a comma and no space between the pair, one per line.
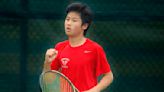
131,32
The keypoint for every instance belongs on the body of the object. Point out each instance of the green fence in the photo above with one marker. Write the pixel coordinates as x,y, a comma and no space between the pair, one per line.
131,32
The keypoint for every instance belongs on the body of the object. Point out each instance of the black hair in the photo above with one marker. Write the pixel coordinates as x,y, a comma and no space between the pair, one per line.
84,11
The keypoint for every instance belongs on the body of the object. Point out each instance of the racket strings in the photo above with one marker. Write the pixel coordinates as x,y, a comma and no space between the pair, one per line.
65,85
52,82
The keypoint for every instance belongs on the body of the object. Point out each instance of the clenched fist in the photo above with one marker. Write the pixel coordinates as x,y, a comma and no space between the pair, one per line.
50,55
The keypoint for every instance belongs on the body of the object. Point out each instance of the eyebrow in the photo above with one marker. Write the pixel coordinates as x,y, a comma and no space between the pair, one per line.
72,18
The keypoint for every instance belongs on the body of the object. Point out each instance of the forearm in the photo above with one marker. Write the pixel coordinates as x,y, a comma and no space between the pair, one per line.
46,66
49,56
104,82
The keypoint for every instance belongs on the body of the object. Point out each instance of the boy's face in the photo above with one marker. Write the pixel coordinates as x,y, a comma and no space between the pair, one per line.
73,24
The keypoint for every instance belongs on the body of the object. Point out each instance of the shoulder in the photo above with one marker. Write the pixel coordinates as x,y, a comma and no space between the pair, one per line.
61,44
94,44
96,48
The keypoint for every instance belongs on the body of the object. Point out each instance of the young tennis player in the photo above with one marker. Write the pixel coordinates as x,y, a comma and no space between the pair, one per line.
79,58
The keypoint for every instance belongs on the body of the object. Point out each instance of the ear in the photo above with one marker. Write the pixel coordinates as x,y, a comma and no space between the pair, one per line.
85,26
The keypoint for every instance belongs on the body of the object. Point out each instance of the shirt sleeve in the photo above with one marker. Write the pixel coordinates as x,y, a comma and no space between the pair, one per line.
102,65
55,65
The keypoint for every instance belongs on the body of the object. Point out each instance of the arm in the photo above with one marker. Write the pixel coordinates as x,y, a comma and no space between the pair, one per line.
49,56
46,66
104,82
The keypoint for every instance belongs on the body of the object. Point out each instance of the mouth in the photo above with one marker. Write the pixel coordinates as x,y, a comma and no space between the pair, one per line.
68,29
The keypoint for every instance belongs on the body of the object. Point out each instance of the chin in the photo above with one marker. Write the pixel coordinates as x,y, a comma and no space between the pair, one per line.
68,34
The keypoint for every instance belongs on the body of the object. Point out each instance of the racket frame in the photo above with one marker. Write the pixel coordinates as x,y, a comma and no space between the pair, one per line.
62,75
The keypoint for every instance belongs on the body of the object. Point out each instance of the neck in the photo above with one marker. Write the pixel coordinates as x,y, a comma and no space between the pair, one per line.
76,41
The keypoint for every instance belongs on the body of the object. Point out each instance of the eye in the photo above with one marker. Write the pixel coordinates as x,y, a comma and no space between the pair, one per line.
74,20
67,19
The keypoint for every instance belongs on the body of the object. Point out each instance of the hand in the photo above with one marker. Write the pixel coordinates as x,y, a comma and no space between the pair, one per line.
50,55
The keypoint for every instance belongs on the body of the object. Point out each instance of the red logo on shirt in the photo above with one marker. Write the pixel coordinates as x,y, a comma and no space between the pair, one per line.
64,62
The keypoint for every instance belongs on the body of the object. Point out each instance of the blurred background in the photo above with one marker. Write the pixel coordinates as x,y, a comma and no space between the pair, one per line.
130,31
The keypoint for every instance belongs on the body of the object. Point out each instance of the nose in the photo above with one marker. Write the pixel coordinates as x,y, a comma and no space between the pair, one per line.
68,22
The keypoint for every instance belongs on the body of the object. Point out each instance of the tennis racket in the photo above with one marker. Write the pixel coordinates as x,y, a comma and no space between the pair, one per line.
54,81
